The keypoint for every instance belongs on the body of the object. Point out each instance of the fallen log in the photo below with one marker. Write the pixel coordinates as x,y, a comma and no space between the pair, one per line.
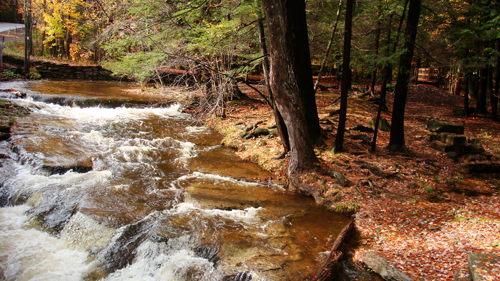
330,268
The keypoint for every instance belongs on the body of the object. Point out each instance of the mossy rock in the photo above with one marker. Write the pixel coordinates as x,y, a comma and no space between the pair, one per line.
440,127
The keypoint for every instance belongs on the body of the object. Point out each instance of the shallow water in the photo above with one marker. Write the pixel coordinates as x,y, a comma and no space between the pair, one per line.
121,193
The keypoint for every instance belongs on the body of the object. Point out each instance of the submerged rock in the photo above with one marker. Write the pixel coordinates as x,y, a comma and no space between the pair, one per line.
240,276
121,249
84,233
54,209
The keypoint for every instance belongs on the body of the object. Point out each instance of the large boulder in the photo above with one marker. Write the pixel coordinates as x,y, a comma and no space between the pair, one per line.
383,267
440,127
484,266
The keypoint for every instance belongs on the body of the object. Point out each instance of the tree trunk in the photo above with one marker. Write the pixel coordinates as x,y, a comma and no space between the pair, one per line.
397,138
377,42
346,78
291,78
328,47
387,73
494,97
483,89
280,124
466,95
383,88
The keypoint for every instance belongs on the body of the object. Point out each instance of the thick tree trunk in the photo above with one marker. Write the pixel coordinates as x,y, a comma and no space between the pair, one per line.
397,138
387,73
291,78
280,124
346,78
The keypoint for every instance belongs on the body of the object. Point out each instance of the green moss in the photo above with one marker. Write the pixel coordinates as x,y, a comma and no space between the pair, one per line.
345,208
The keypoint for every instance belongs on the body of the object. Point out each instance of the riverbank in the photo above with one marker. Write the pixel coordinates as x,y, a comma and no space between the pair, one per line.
425,212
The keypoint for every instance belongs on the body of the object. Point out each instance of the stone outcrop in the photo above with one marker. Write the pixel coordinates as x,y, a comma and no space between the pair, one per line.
66,71
450,139
482,267
383,267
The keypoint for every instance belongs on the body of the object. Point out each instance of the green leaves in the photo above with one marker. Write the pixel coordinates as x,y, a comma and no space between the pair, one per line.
218,34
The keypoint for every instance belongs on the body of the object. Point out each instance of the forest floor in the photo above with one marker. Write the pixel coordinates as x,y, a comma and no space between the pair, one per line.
424,211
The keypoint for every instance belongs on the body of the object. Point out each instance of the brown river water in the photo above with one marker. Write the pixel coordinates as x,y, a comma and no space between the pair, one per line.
141,193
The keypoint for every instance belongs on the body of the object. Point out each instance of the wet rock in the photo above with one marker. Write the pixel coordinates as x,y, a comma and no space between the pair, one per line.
121,249
60,170
265,263
208,253
4,133
240,276
209,197
382,266
5,129
84,233
54,210
83,166
4,196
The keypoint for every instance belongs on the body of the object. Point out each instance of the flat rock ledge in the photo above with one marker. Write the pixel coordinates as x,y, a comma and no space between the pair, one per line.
383,267
482,267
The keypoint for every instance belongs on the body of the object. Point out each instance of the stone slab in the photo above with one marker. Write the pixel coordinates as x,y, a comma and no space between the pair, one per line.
462,275
382,266
484,267
439,126
452,139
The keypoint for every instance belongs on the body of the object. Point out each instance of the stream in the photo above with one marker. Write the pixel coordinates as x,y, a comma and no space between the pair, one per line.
119,192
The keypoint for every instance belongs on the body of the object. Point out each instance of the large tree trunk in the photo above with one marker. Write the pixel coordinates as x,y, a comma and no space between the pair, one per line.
387,71
280,124
346,78
291,78
397,139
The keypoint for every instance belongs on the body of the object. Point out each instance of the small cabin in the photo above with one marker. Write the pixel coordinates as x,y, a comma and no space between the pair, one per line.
428,75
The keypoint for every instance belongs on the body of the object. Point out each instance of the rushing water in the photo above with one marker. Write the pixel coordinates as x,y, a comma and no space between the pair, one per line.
95,193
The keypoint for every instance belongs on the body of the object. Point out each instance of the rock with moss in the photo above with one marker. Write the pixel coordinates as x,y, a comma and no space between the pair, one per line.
440,126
